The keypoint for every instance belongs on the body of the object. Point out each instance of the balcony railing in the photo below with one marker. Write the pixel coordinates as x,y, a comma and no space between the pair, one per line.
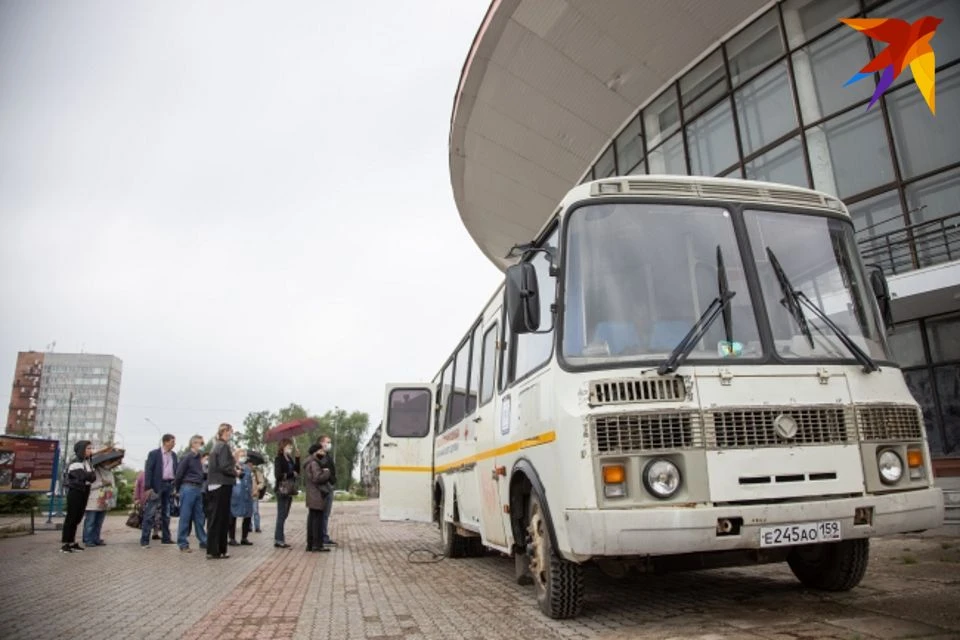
913,247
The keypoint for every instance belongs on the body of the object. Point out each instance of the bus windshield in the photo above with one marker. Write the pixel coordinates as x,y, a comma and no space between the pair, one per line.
818,257
638,277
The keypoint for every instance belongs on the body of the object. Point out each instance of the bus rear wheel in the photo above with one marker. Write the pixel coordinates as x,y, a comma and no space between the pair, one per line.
832,566
456,545
558,583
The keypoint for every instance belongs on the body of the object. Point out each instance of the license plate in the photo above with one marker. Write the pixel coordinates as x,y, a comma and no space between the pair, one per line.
805,533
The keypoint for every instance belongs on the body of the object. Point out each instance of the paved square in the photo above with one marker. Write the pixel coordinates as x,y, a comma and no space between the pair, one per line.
367,588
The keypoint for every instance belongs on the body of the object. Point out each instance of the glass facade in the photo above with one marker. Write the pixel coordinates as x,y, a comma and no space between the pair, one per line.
769,104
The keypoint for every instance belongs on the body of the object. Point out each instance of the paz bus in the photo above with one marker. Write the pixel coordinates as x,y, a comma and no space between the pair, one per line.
677,372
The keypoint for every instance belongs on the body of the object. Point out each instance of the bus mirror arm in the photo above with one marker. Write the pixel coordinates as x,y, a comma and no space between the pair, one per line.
881,291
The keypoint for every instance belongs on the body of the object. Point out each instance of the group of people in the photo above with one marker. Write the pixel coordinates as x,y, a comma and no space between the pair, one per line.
91,492
215,490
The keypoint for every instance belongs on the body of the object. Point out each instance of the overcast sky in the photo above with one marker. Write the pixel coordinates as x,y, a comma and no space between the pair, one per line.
249,203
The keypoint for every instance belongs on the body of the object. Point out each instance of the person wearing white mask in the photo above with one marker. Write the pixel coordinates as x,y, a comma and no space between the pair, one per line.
286,471
326,462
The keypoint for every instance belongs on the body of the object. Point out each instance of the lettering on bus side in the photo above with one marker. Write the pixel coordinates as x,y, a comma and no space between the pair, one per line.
450,448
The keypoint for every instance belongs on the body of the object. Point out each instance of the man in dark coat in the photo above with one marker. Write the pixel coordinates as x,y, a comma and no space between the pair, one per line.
158,476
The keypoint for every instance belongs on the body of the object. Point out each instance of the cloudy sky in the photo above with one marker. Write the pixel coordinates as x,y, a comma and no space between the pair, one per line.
248,202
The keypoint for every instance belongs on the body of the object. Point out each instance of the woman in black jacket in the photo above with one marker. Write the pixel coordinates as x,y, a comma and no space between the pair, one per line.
221,476
80,475
286,469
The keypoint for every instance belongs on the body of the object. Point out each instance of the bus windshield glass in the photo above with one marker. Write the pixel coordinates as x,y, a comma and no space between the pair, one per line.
817,259
639,276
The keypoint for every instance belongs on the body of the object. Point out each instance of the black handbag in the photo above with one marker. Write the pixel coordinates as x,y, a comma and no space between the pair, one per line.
287,487
175,506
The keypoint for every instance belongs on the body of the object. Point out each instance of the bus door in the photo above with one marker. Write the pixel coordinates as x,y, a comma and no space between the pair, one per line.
406,453
485,426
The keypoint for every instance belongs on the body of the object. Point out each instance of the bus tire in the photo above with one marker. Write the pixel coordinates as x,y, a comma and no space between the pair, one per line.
832,566
558,583
454,545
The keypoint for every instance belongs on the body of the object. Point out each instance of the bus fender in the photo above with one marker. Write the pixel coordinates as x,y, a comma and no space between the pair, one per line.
523,468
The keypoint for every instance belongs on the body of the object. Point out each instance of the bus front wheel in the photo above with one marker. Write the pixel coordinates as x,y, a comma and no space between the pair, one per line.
558,582
832,566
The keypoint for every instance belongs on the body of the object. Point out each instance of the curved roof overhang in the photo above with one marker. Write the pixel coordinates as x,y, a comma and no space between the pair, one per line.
547,84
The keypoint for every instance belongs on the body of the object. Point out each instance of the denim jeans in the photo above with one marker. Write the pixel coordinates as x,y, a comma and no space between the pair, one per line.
325,518
256,514
283,510
191,512
92,525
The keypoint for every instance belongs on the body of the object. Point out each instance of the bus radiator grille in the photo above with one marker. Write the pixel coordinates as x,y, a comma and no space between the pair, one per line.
753,427
637,432
890,422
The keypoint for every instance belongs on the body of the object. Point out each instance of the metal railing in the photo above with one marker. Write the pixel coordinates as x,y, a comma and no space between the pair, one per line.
913,247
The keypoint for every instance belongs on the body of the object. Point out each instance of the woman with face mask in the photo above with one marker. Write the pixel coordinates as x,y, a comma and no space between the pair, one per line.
286,470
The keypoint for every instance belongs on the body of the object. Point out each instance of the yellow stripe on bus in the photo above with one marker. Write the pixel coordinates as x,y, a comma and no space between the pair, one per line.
526,443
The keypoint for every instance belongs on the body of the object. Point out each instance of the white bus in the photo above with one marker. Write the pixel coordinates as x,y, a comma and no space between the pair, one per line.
676,373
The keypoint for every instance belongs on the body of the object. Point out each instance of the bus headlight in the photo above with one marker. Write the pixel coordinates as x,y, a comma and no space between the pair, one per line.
661,478
890,466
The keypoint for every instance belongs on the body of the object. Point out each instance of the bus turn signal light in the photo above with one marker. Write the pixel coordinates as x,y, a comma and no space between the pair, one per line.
614,474
914,458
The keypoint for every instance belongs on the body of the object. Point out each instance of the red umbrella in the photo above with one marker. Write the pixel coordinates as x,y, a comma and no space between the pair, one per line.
290,429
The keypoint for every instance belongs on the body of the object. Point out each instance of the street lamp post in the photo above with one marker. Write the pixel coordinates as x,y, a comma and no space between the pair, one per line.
336,428
155,426
66,452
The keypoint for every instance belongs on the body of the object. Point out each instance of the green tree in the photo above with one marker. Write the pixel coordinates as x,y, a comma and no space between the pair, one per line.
346,431
255,426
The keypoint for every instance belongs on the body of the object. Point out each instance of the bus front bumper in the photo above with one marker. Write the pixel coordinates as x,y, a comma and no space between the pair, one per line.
678,530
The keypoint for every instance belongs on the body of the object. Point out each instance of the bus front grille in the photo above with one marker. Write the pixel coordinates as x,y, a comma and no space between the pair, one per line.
890,422
638,432
751,427
628,390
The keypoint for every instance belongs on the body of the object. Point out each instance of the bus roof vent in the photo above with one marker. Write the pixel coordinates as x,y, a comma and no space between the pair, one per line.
634,390
766,195
661,188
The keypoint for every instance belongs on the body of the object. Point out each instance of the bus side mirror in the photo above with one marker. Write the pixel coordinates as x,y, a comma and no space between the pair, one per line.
881,290
523,298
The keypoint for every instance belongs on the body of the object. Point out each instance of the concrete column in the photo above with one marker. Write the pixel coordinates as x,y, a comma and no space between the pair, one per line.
655,160
821,164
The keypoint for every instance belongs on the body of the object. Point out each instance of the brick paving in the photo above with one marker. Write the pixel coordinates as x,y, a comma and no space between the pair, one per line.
367,588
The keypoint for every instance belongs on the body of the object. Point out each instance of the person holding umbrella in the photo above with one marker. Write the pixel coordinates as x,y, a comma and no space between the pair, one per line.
286,470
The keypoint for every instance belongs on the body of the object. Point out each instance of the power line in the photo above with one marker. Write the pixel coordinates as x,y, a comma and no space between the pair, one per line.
158,408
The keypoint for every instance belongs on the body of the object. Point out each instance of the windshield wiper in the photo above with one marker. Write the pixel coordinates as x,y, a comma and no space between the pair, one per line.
793,301
790,299
720,304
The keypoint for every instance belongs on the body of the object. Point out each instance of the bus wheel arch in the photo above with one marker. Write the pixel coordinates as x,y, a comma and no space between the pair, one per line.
524,483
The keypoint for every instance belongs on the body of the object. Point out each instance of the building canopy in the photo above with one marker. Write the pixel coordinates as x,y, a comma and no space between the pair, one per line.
547,84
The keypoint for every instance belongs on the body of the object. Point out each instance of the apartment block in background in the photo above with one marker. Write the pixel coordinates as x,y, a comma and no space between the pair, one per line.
50,389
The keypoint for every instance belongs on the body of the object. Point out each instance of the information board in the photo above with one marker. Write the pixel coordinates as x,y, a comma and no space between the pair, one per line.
27,464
